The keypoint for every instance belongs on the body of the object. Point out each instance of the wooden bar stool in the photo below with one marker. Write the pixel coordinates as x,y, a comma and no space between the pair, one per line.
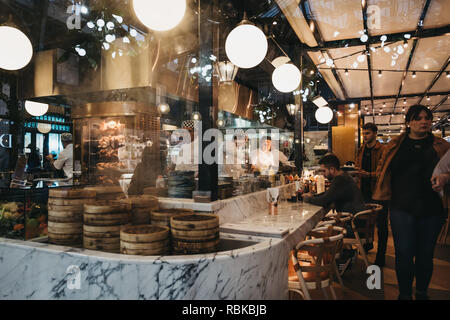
363,226
311,264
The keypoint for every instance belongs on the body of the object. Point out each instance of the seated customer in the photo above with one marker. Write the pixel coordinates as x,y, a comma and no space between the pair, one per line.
343,191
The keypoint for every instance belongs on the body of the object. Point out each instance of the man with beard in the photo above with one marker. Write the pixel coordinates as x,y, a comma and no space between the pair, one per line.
343,192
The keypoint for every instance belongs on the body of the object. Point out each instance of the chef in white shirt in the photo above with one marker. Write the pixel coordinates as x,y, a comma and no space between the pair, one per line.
265,159
65,157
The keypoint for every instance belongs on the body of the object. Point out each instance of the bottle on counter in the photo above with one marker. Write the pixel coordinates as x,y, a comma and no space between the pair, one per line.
320,184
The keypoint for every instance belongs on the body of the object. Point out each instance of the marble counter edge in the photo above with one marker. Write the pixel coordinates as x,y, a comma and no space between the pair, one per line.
263,243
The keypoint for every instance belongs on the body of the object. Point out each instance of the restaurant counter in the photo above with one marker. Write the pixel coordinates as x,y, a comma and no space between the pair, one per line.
251,262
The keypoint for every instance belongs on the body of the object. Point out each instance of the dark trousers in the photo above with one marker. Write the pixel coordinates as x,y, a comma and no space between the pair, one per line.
414,238
382,231
382,227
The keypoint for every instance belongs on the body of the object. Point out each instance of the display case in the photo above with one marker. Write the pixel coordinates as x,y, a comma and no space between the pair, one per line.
23,213
110,138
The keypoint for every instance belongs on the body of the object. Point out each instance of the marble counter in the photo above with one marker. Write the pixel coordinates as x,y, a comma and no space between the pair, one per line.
247,266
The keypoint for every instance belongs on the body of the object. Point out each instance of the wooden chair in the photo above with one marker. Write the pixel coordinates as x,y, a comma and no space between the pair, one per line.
338,219
363,226
311,264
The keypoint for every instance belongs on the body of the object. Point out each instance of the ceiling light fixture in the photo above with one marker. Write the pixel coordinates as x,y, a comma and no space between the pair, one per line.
246,45
160,15
36,109
324,115
286,78
16,50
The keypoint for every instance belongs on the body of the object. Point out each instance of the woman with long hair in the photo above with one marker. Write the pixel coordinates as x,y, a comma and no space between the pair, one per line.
416,210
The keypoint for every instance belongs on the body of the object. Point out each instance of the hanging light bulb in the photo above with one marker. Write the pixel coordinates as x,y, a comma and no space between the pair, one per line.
196,115
404,101
36,109
428,98
220,123
246,45
163,108
346,72
227,71
160,15
16,50
286,78
324,115
380,74
448,74
414,74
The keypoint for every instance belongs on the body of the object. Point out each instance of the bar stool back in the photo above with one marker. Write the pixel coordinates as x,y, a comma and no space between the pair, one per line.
363,226
312,261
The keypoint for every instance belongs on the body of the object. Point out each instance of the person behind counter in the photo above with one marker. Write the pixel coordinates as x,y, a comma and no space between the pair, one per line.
181,162
144,174
65,157
266,158
343,192
416,210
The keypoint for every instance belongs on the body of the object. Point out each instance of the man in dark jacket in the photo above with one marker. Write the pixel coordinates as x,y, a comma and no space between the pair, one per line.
366,161
343,191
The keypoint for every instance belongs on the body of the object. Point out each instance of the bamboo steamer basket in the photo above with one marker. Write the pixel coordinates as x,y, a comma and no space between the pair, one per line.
102,222
195,233
71,193
144,240
157,192
101,231
69,202
65,215
162,217
107,192
141,206
74,228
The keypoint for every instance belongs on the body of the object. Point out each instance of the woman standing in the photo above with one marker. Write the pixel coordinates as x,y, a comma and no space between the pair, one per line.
405,170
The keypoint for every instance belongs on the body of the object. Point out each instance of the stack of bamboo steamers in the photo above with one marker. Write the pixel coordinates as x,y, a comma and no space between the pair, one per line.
106,221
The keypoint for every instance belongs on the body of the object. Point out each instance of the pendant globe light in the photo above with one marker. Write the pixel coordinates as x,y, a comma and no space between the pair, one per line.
16,49
324,115
246,45
44,127
286,78
36,109
160,15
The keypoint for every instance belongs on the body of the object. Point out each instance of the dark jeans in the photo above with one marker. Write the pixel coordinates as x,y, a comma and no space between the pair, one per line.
414,238
382,227
382,231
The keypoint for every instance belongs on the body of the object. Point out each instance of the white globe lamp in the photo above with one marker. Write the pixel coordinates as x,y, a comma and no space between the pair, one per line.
160,15
16,50
286,78
246,45
324,115
36,109
44,127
